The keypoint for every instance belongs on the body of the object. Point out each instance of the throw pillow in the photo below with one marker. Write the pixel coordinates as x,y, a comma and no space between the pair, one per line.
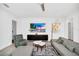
60,41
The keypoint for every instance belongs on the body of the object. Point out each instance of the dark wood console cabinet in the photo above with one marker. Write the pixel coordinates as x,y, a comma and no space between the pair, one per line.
37,37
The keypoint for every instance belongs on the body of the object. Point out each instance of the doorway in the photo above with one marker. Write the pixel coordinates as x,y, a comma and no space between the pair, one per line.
70,31
13,30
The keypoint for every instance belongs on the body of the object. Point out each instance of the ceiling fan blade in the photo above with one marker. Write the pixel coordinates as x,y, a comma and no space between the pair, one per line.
43,7
6,5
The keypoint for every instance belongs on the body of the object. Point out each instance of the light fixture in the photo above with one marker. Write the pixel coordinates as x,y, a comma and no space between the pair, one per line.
6,5
43,7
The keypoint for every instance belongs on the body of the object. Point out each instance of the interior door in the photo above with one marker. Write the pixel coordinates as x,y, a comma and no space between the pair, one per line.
13,30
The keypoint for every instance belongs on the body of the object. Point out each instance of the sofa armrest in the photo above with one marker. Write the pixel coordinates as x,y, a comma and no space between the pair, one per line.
53,40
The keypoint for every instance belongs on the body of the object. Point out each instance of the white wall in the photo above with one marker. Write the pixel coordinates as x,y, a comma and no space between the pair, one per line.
76,28
23,27
5,28
74,19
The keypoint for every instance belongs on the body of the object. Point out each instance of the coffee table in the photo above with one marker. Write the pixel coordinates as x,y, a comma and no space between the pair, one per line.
39,44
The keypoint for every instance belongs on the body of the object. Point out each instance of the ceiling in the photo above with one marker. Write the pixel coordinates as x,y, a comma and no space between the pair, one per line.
34,9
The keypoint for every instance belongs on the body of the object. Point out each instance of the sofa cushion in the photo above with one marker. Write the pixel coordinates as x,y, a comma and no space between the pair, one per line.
62,50
54,40
69,44
71,48
76,50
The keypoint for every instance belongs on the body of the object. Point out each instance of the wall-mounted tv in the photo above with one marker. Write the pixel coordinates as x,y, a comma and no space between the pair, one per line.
37,27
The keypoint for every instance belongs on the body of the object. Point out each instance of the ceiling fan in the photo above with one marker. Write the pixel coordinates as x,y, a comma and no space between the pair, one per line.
6,5
43,7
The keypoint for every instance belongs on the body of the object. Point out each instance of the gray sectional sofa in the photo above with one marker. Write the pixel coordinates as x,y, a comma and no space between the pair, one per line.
65,47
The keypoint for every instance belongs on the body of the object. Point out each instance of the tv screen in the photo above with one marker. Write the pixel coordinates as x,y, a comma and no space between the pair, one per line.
37,27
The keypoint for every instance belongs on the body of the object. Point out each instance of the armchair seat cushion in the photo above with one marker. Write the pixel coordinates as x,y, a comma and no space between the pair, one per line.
23,43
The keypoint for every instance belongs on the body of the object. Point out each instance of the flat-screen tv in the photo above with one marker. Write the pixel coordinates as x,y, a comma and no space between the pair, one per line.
39,27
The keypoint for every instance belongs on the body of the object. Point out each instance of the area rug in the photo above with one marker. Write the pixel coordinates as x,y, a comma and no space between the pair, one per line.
48,51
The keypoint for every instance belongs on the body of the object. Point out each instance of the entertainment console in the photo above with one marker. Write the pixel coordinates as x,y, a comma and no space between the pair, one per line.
37,37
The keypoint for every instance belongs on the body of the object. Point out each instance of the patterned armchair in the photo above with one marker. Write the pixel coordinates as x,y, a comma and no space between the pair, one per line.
19,41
